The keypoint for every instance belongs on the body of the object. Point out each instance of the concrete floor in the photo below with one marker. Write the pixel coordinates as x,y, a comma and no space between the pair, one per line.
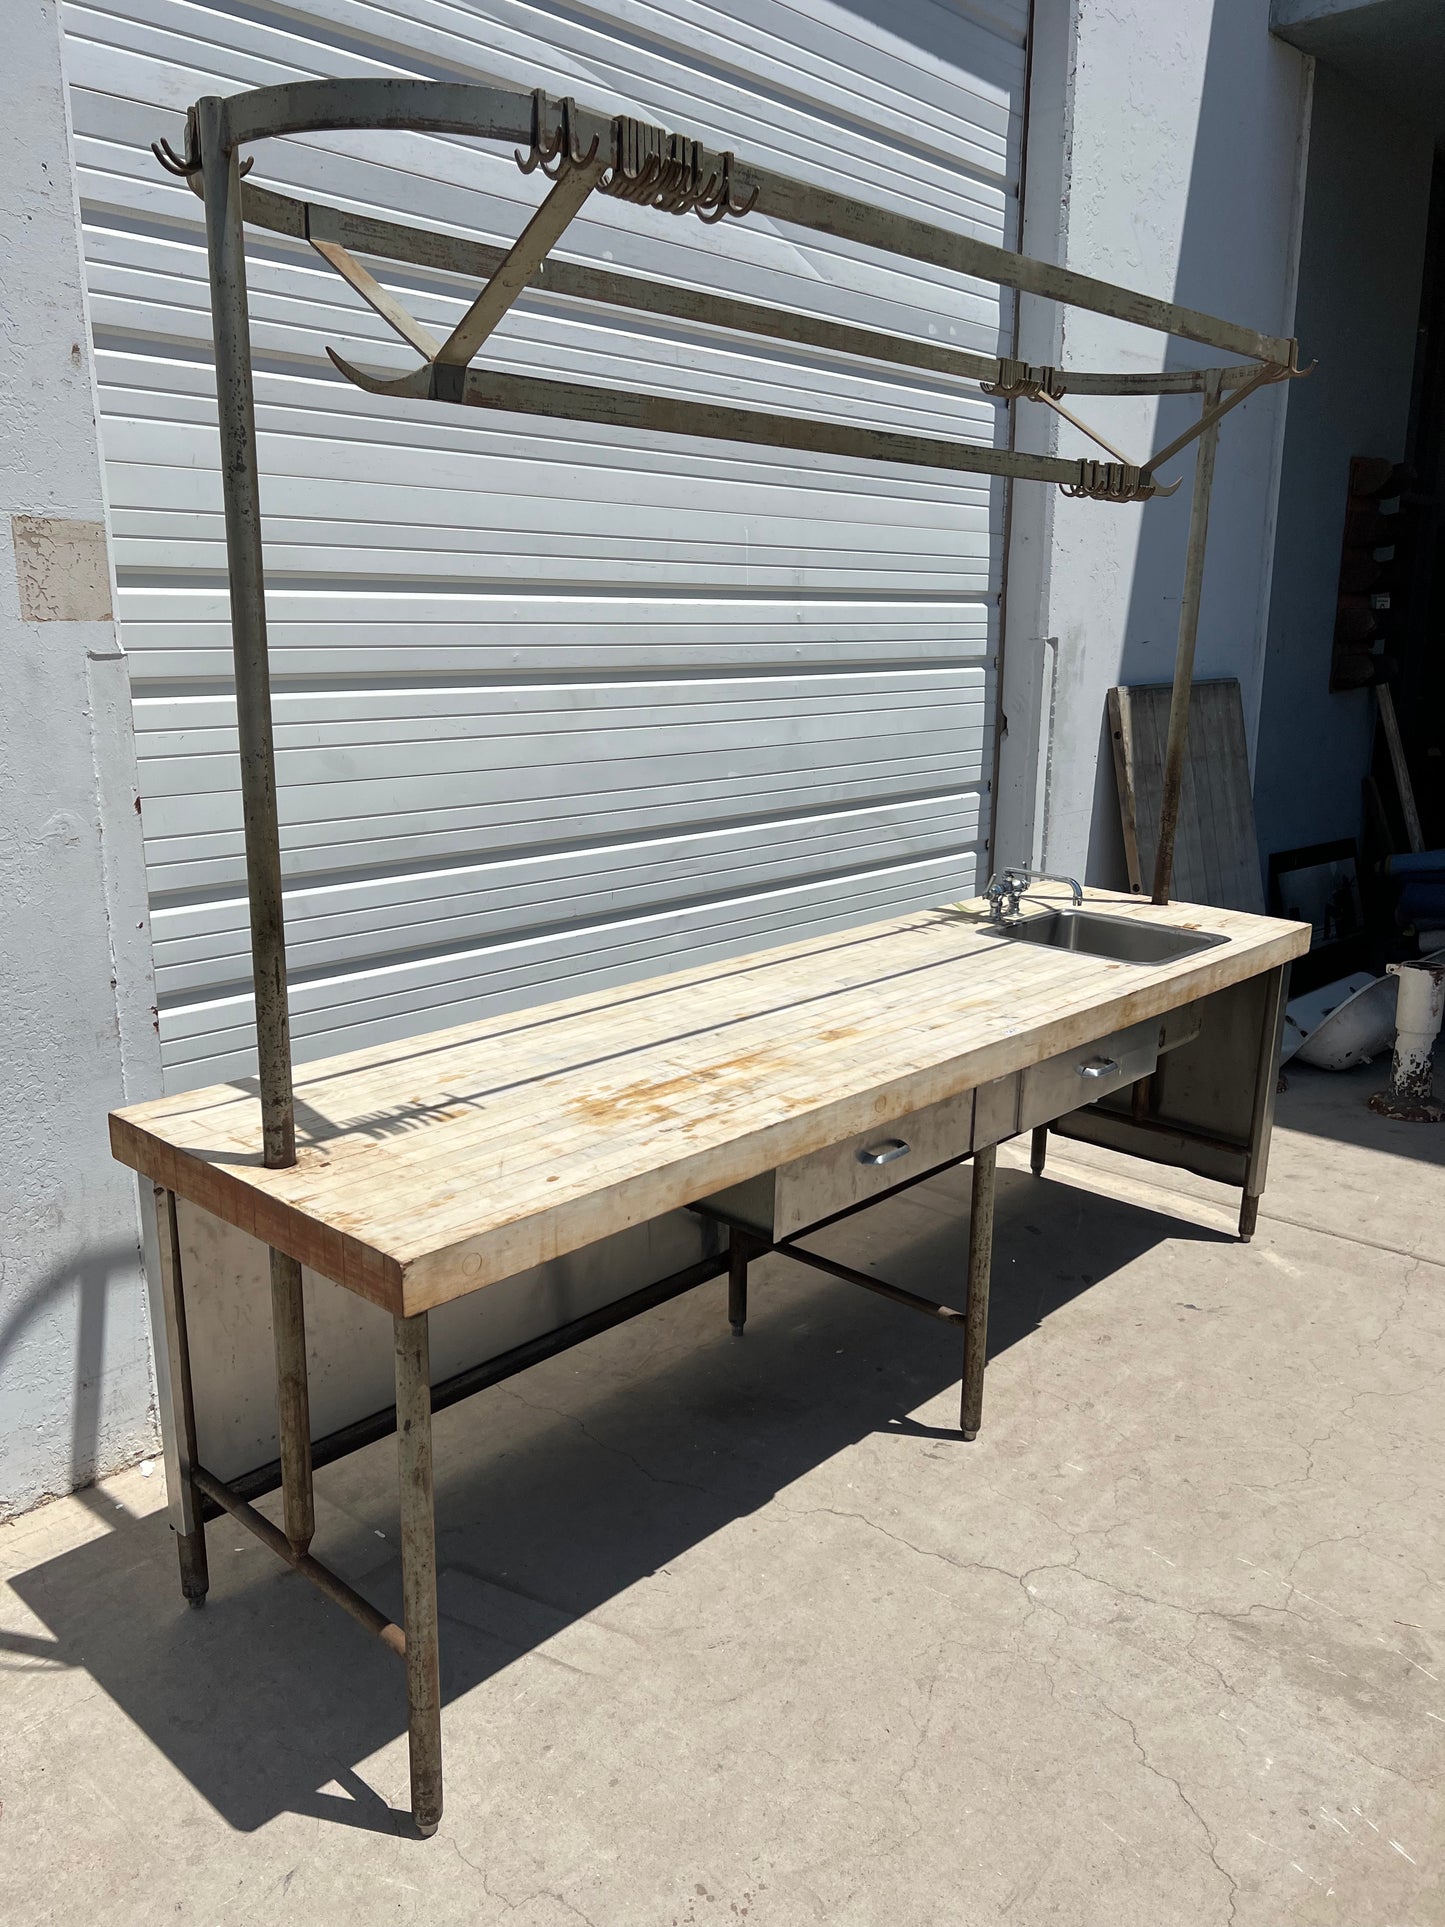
742,1632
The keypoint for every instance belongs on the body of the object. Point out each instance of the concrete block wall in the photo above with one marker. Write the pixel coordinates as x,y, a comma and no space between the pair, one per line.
76,1036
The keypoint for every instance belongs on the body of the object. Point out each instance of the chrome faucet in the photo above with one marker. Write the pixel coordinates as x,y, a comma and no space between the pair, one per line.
1004,892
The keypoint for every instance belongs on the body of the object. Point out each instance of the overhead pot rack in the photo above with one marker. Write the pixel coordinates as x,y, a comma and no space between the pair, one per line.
581,153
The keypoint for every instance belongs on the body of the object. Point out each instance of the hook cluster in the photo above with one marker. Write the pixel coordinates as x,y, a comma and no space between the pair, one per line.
1021,378
645,165
1111,482
653,168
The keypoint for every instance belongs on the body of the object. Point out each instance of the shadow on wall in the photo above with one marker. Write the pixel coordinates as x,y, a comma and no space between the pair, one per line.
74,1294
556,1492
1232,251
1361,268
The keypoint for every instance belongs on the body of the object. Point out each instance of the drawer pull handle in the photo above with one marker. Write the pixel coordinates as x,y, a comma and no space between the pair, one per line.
888,1152
1099,1067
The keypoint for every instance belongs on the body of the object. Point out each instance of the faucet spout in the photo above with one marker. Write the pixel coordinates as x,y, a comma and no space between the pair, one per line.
1006,891
1070,883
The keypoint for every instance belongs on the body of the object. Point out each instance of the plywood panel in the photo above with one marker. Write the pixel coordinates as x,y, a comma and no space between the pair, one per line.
1216,854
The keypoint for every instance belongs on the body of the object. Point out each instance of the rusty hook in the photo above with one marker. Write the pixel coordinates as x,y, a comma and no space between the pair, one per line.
541,148
554,153
717,202
171,161
652,168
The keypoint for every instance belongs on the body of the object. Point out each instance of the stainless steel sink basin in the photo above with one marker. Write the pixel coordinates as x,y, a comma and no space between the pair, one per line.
1123,939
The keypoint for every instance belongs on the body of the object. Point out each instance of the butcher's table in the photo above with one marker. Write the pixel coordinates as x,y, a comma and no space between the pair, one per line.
770,1093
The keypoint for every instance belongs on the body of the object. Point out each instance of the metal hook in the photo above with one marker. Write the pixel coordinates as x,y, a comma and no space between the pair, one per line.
171,161
554,152
711,211
542,148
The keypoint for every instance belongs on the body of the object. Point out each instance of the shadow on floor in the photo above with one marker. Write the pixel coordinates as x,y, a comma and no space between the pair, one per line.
605,1464
1333,1104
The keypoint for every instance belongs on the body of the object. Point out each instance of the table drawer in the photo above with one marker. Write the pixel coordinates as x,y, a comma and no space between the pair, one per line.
1076,1077
866,1166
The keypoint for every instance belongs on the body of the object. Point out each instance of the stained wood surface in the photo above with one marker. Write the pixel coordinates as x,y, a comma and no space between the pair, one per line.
431,1168
1216,853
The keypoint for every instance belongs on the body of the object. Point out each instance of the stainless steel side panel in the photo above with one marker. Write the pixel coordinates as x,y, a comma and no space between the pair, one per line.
1210,1102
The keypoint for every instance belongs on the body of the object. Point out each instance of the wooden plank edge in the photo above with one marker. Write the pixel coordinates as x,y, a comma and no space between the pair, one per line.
332,1254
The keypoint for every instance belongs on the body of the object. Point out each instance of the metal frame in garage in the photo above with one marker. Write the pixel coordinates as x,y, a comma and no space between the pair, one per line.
582,152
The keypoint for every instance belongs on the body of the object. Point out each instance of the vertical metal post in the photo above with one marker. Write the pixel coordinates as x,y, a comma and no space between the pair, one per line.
1266,1085
740,1252
419,1569
1178,738
240,479
980,1264
181,1433
1039,1149
241,486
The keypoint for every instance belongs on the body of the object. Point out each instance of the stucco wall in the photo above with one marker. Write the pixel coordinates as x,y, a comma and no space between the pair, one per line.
75,1373
1361,259
1165,153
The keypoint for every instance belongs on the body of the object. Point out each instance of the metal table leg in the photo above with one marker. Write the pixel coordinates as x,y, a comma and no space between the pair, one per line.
1176,746
1038,1149
1266,1085
980,1260
419,1569
741,1251
186,1517
293,1403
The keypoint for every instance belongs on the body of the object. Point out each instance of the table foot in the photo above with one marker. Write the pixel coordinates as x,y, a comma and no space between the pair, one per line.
195,1572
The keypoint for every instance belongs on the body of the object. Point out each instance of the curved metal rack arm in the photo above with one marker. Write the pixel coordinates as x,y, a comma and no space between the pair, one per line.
507,114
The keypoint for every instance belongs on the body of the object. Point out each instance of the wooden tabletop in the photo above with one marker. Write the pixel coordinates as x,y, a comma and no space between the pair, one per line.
430,1168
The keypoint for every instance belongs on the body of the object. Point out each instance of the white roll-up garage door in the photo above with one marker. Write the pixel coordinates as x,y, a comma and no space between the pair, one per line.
554,705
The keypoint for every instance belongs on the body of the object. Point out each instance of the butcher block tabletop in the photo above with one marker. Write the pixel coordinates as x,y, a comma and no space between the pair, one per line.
429,1168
